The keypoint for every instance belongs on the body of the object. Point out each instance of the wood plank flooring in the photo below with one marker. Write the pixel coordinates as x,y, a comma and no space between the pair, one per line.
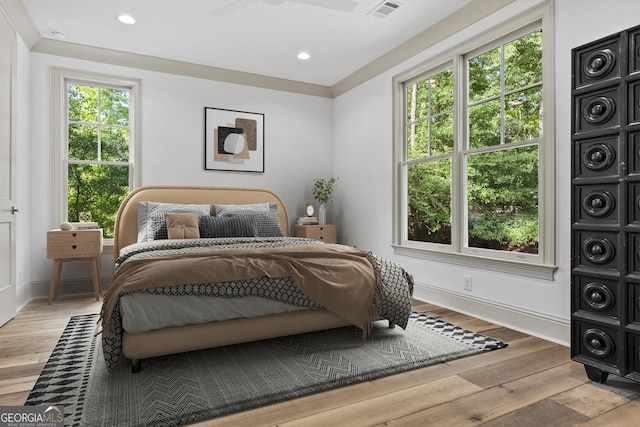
530,383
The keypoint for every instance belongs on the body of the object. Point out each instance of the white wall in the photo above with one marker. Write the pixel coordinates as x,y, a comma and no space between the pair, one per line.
362,160
298,144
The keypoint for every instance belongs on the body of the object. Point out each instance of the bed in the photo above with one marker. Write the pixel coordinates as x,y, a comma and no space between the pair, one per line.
298,285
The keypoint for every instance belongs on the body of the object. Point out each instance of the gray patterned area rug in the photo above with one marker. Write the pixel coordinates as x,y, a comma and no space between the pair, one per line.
200,385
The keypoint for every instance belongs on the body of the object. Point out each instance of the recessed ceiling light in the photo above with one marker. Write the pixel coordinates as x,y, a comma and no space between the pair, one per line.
304,55
126,19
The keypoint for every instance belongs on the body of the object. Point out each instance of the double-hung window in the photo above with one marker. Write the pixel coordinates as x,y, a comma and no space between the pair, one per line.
474,156
96,137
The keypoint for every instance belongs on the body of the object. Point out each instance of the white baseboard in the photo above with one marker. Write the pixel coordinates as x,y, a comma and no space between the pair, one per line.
74,287
23,296
539,325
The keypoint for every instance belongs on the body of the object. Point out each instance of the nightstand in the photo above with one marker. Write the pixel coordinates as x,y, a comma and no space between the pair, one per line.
73,245
326,233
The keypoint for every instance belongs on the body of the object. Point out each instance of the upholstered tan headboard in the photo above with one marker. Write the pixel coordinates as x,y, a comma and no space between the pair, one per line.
126,226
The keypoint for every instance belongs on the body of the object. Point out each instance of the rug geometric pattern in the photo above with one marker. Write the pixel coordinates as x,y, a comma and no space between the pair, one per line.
190,387
457,333
65,376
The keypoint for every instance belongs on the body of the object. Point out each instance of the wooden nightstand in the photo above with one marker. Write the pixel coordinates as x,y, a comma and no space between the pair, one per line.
73,245
326,233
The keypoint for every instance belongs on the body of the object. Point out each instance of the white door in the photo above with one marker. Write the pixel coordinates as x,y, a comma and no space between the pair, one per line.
7,171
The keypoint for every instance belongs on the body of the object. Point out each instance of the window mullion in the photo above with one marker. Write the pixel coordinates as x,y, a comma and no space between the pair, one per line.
502,96
412,119
458,181
99,124
429,116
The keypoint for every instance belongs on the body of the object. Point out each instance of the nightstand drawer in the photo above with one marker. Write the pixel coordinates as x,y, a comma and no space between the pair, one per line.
74,243
326,233
80,250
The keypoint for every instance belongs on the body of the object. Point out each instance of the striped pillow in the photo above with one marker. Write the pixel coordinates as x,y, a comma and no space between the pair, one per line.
228,226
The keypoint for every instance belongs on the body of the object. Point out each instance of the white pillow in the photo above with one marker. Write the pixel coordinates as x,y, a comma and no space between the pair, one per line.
224,210
146,209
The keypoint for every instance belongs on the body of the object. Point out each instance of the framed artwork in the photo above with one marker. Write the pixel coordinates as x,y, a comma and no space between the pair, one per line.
233,140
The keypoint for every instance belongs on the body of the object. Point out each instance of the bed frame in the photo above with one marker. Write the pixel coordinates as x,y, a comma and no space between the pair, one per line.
137,346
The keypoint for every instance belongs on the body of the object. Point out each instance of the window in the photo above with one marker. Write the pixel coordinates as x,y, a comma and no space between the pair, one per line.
429,157
473,147
95,146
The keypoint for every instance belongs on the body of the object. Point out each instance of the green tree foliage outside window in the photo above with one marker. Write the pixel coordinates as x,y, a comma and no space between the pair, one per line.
503,118
430,145
98,152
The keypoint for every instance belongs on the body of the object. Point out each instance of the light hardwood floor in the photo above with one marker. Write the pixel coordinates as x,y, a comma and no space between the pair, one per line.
530,383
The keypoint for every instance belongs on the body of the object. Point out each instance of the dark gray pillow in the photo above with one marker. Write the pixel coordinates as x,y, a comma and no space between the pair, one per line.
229,226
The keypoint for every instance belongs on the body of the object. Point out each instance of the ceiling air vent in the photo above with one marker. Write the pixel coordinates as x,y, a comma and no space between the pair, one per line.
384,9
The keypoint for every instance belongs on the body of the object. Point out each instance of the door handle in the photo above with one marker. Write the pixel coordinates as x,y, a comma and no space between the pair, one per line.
15,210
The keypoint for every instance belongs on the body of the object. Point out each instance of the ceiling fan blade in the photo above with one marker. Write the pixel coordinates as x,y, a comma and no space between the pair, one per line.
340,5
231,7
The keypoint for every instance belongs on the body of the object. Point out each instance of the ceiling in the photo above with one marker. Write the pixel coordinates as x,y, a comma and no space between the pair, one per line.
258,38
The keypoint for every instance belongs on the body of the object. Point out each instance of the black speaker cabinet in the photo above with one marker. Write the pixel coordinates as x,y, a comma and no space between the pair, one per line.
605,200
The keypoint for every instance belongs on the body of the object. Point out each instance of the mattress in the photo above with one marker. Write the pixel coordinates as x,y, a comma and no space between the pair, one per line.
143,312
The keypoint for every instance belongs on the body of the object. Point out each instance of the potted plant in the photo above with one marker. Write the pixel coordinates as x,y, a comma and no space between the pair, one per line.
322,191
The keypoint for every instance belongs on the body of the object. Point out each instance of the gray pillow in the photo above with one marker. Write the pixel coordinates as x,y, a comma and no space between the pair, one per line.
224,210
268,222
228,226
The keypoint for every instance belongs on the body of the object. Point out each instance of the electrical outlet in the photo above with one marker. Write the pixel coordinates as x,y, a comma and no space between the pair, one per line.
467,283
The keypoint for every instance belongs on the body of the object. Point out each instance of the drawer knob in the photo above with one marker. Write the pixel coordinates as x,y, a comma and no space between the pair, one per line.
598,157
599,63
597,296
74,246
598,250
598,343
598,203
599,110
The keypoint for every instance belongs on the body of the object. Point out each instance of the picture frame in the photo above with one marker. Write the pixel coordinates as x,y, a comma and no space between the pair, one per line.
233,140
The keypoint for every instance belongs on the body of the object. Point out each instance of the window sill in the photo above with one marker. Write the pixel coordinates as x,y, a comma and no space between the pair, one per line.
537,271
107,246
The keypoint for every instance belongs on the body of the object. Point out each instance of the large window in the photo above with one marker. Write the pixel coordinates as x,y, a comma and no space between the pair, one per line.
475,156
96,130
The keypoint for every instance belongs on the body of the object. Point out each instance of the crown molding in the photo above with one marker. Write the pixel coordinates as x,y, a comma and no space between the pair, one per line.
152,63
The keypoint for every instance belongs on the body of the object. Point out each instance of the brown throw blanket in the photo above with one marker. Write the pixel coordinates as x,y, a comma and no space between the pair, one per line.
343,279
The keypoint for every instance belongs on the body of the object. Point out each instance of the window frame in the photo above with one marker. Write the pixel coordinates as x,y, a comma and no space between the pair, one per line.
537,266
62,76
